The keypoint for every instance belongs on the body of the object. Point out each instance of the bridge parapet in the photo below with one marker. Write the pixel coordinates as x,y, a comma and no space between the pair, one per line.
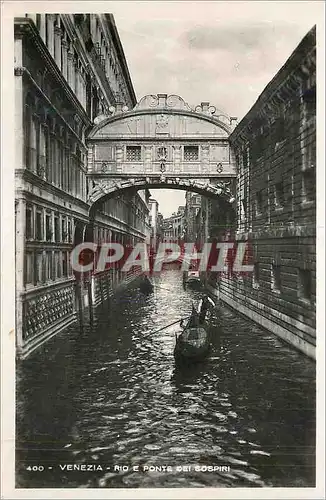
131,158
164,140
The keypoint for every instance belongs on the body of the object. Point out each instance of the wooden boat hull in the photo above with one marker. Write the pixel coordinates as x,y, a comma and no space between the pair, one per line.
190,349
194,283
146,286
192,279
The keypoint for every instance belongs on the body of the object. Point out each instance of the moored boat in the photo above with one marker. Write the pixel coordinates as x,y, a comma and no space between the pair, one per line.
145,285
192,279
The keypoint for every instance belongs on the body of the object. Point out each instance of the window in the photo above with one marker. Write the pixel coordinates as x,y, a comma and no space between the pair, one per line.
279,130
309,157
133,153
29,267
279,194
191,153
29,223
255,278
39,267
64,264
48,269
245,158
305,284
308,186
64,229
309,103
56,229
276,278
57,265
39,225
259,202
43,152
32,144
48,227
78,183
69,231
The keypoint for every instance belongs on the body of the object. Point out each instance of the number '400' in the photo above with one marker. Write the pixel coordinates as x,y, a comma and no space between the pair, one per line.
35,468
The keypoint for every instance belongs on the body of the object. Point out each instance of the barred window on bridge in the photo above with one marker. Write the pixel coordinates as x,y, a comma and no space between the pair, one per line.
191,153
133,153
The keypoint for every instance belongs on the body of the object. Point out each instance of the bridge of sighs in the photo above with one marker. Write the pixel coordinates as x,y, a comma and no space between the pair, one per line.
161,143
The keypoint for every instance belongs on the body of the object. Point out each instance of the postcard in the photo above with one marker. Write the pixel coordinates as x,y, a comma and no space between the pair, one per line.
162,233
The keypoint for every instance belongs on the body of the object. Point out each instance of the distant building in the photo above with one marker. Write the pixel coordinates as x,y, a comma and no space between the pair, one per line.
192,208
159,230
174,226
153,219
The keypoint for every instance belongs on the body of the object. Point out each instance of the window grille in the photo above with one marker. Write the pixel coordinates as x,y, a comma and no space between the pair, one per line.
133,153
191,153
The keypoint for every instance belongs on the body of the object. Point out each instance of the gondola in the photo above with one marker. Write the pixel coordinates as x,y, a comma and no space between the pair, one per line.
193,344
145,286
192,279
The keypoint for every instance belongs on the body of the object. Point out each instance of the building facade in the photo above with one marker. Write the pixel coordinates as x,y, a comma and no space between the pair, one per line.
275,149
69,71
174,226
153,220
192,209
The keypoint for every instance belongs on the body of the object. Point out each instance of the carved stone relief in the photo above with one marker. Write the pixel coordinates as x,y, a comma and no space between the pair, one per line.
162,123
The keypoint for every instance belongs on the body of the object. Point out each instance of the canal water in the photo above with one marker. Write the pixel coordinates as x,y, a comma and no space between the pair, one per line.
112,396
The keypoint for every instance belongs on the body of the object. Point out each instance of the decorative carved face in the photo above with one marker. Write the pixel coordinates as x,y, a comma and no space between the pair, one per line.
162,121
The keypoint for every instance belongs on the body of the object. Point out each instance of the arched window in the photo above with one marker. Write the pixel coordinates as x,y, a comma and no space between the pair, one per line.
43,152
49,146
57,156
73,169
28,113
95,104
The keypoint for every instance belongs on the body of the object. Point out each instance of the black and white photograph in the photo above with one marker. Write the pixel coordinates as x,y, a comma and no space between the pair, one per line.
162,233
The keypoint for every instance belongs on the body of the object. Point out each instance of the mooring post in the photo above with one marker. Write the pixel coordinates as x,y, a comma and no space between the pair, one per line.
80,305
101,290
90,301
108,291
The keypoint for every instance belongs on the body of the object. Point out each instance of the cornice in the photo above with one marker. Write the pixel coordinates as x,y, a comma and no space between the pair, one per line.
157,111
122,59
21,71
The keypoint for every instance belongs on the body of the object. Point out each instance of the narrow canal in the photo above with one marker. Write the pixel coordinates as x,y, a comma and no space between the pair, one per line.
112,396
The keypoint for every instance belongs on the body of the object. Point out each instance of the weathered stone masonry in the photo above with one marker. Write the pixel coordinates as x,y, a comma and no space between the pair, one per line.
275,147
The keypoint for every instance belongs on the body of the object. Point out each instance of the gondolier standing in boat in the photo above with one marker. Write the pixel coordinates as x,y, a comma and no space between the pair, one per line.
203,307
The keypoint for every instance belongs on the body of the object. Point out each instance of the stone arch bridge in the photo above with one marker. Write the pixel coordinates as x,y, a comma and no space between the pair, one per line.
161,143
